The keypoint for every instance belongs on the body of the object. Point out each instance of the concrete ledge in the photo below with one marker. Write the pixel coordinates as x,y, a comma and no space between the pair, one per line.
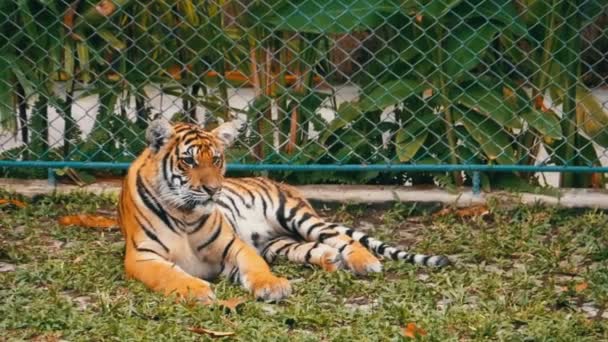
571,198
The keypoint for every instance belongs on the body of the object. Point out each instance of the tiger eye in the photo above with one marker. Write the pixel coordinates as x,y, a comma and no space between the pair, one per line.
217,160
188,160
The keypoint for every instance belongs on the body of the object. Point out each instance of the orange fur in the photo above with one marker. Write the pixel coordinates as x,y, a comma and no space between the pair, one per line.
184,223
163,243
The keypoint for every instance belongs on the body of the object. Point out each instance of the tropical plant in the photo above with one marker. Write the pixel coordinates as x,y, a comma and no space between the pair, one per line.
446,81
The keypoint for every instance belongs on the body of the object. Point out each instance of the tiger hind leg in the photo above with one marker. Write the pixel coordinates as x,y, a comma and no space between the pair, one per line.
303,252
358,249
356,256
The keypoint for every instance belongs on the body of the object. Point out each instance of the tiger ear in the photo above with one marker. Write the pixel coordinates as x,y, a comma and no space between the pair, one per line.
229,131
158,132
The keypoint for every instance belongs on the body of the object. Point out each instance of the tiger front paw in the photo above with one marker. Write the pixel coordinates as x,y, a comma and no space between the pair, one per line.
268,287
197,290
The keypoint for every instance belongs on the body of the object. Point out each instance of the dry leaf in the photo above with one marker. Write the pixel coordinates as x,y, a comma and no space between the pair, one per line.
175,71
232,303
580,287
105,7
596,180
16,203
211,333
476,210
68,17
444,212
411,331
473,211
90,221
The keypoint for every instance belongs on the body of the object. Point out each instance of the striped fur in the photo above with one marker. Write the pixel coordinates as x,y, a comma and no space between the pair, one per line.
184,223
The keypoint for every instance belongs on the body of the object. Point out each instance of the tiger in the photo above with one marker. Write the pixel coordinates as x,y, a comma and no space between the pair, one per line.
185,223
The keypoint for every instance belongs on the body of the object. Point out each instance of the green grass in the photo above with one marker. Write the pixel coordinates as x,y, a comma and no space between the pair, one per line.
515,279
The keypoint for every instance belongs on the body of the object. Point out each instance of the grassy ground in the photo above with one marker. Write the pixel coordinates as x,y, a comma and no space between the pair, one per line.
522,273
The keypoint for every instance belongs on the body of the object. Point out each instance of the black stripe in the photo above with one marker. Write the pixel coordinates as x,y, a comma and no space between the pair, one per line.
265,191
147,250
227,207
264,205
151,203
350,232
234,206
324,236
198,223
188,140
332,226
164,165
264,188
305,217
425,259
212,238
234,275
227,248
235,183
341,249
183,127
364,241
281,211
255,239
309,253
151,235
232,191
231,223
270,243
293,211
312,227
409,257
285,246
395,255
381,248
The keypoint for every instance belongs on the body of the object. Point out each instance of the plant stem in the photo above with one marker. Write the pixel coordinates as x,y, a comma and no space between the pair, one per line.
141,111
293,125
571,80
69,124
22,104
547,53
192,110
258,148
447,103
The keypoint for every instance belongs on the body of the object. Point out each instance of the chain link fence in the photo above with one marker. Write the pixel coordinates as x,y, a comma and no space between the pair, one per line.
444,91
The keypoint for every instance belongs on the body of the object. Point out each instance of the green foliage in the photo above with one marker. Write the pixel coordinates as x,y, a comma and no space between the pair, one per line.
446,82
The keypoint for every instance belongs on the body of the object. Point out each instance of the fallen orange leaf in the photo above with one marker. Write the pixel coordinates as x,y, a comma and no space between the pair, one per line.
411,331
444,212
211,333
232,303
476,210
580,287
89,221
14,202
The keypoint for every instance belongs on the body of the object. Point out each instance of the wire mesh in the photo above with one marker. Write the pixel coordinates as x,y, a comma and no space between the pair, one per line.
332,84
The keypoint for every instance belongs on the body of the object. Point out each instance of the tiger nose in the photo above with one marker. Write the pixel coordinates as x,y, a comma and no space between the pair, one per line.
211,189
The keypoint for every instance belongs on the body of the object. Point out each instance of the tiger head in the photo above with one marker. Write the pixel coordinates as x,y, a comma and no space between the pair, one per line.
188,162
